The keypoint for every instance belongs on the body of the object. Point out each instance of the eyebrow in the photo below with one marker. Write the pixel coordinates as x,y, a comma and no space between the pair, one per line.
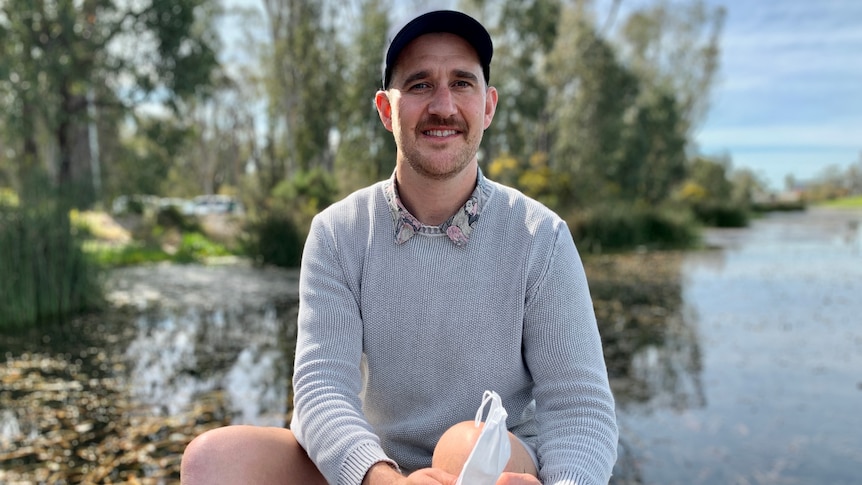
416,77
458,73
466,75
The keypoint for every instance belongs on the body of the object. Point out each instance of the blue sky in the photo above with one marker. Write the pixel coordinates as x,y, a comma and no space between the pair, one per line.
789,95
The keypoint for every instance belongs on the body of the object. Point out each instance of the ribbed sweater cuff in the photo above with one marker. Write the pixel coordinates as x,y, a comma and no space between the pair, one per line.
360,460
569,479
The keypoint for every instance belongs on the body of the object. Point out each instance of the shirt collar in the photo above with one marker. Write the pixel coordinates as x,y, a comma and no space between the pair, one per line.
457,228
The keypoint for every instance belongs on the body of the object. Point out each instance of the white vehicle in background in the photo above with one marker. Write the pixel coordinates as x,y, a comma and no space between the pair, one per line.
199,206
215,204
134,203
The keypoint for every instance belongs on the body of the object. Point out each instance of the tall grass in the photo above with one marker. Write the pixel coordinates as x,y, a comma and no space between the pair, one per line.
45,275
619,227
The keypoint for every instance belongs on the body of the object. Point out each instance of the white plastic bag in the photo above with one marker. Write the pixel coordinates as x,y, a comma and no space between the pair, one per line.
492,450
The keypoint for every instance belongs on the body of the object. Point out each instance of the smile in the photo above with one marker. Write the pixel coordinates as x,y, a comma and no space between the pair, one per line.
440,133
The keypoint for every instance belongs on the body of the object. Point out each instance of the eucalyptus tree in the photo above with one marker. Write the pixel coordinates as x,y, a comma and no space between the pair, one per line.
524,33
590,94
673,50
62,60
366,152
303,67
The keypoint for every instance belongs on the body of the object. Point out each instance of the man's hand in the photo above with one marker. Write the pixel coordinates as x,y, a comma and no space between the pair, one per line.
508,478
384,474
431,476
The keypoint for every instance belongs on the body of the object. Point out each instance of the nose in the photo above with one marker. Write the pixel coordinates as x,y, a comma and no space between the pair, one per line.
442,104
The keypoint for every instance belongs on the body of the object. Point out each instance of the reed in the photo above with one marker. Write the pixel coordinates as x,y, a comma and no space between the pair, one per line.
45,276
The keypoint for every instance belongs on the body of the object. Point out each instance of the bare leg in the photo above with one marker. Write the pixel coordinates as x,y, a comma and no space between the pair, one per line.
455,445
247,455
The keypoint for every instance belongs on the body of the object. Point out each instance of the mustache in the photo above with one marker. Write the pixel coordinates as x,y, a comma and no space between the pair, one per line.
434,121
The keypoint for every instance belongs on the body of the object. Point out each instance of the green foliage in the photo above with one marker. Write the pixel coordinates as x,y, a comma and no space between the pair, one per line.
713,199
129,255
591,113
276,240
524,34
173,218
8,197
62,62
44,273
195,247
674,48
721,214
304,195
186,54
590,96
617,227
366,151
304,63
278,235
653,162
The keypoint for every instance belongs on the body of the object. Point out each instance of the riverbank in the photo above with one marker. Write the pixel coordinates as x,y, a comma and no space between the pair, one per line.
72,411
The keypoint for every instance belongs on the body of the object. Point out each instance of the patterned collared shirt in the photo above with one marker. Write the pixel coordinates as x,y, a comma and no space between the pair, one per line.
457,228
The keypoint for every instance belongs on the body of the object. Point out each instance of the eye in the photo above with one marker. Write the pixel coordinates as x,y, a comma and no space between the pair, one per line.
422,86
462,84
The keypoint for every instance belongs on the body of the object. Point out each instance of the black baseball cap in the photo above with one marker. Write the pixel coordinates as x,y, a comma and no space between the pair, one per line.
448,21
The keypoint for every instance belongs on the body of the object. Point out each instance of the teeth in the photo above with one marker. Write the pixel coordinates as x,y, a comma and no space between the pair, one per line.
440,132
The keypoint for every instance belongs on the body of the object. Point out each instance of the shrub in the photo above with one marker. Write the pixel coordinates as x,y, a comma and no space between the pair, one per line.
195,247
275,239
618,227
719,214
172,217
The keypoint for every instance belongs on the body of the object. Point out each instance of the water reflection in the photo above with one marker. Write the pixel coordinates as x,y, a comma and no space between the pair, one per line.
177,356
117,396
774,318
651,341
650,337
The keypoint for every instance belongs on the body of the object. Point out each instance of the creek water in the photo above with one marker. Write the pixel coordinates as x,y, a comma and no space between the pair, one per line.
762,381
754,376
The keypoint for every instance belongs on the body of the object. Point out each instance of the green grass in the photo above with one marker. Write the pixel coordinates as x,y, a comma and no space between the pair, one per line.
194,248
128,255
845,203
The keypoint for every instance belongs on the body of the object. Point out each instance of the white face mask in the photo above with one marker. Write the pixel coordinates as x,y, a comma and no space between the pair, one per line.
492,450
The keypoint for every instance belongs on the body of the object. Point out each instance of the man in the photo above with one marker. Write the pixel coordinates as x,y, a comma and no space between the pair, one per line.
419,293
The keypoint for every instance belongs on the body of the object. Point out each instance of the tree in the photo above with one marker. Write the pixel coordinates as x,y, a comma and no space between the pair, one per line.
590,95
304,66
524,34
747,187
60,57
366,151
654,148
675,49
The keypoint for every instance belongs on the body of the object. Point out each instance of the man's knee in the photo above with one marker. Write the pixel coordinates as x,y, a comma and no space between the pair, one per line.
247,454
201,457
455,445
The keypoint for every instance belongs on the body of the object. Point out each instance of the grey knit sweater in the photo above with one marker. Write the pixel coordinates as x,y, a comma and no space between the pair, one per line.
397,342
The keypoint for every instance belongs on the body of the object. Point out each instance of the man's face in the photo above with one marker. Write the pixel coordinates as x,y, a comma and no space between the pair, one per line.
437,105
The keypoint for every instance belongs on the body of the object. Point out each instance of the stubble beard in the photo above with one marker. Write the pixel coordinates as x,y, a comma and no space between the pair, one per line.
424,163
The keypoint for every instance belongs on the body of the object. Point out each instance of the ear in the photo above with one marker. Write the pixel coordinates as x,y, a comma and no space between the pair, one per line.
384,108
490,105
